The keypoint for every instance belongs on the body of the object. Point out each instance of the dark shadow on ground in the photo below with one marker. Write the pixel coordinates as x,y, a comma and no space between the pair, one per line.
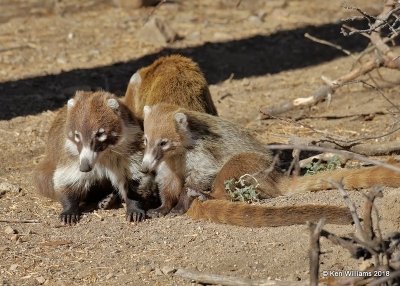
254,56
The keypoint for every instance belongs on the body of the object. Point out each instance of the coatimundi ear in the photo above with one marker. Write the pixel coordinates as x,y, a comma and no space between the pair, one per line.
71,103
136,79
181,120
113,103
146,110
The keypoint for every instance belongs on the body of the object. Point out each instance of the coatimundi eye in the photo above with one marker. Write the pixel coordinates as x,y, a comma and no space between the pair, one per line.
163,142
77,136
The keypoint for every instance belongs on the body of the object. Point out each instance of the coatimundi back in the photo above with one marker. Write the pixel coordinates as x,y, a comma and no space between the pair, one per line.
173,79
192,151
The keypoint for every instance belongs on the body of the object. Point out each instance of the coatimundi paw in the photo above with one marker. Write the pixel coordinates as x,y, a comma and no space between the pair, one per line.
134,212
70,217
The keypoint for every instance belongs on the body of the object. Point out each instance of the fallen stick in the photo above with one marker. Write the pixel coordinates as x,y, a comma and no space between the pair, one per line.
213,279
20,221
315,250
350,155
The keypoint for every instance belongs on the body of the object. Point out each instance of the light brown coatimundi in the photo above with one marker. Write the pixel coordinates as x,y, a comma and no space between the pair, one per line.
94,138
192,151
171,79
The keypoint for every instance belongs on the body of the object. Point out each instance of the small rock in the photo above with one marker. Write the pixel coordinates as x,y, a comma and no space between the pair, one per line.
15,237
109,276
7,187
40,280
255,20
157,32
10,230
13,267
168,270
158,272
245,82
146,269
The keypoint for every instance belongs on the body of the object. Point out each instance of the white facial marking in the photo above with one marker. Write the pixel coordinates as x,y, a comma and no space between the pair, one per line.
146,110
101,130
102,138
70,134
149,161
136,79
113,103
71,148
71,103
88,154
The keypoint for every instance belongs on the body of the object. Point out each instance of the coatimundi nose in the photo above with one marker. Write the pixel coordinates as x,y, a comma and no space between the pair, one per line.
85,166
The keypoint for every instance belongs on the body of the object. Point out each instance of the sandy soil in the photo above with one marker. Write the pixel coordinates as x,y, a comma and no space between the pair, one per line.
252,55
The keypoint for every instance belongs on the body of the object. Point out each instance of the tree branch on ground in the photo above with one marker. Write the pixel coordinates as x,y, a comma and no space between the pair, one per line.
381,55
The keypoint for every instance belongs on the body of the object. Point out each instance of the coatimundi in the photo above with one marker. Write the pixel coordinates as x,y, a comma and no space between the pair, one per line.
192,151
172,79
73,165
94,138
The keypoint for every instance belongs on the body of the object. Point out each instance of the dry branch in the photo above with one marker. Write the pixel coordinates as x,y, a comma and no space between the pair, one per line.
380,56
20,221
204,278
350,155
315,250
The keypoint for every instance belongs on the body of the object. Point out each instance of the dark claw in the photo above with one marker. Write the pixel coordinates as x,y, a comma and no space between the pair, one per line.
68,218
135,216
134,212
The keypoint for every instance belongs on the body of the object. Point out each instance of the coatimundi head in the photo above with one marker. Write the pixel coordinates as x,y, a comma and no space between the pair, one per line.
94,125
165,133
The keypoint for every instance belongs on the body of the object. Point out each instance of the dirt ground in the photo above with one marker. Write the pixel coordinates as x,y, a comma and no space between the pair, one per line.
252,55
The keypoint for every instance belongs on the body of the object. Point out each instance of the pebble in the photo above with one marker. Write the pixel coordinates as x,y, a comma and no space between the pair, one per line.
157,32
7,187
168,270
10,230
40,280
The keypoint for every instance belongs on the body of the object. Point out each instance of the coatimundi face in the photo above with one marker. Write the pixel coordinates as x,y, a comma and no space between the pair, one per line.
161,137
94,126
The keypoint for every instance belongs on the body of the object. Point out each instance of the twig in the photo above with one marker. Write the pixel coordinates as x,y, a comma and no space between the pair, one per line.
350,155
324,42
367,214
351,207
154,10
20,221
315,250
204,278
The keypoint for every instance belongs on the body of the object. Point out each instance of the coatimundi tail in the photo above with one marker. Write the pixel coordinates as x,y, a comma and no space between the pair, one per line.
93,139
172,79
189,150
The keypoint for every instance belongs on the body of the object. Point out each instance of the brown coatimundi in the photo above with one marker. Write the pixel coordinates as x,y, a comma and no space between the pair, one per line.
173,79
192,151
94,138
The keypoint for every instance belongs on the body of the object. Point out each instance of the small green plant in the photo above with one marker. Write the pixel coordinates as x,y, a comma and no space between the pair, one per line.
316,167
242,190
